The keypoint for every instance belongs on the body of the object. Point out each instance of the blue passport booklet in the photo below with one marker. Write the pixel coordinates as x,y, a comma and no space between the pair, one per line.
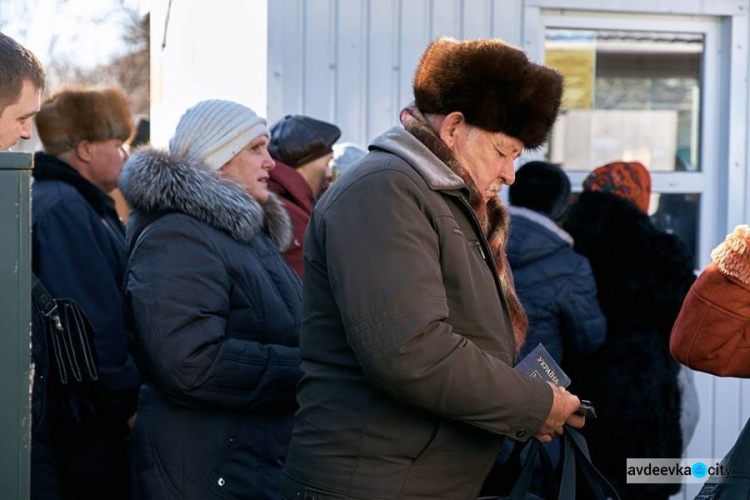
540,364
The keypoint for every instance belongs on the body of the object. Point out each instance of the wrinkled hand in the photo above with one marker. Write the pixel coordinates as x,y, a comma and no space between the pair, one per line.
564,408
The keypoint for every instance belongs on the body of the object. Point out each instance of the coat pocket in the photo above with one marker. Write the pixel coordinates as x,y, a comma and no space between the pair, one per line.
253,465
456,450
238,475
396,431
186,445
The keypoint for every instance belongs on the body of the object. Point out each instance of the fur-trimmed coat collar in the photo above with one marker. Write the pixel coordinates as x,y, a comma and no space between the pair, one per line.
642,276
732,257
642,273
154,181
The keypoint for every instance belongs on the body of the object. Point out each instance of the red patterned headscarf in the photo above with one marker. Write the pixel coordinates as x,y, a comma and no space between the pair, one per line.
629,180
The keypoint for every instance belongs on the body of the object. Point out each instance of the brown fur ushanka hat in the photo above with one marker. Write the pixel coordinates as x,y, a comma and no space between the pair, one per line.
493,84
74,114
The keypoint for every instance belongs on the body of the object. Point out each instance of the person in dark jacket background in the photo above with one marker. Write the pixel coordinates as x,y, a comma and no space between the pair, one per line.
553,282
79,253
302,148
642,275
213,308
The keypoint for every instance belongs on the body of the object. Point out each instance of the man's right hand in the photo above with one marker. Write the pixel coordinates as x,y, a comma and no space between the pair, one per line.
564,408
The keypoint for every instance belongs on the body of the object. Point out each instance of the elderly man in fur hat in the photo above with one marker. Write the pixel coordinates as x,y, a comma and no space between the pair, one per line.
79,253
412,325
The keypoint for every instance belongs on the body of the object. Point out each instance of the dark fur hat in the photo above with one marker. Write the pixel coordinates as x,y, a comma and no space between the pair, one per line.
74,114
493,84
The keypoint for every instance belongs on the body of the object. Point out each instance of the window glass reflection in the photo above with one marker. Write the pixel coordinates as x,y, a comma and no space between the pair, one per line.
632,96
678,214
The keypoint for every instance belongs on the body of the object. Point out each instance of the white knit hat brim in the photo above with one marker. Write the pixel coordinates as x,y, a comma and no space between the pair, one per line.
223,152
212,132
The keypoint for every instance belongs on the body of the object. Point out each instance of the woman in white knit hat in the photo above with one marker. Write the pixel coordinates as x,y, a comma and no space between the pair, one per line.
214,310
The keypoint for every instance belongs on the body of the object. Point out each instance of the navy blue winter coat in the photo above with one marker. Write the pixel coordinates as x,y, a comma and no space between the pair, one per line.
78,252
215,312
555,286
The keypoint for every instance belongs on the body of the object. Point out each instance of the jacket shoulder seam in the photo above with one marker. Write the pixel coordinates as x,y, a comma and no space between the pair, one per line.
385,168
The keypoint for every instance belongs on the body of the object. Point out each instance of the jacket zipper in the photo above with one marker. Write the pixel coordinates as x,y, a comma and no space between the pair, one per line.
482,243
479,247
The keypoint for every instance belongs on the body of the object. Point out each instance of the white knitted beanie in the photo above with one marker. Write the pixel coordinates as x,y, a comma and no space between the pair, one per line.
213,132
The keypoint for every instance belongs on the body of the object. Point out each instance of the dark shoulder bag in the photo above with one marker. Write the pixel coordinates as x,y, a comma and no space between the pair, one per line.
579,478
64,358
69,335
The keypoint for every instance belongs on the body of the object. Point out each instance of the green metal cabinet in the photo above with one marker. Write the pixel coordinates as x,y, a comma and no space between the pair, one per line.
15,330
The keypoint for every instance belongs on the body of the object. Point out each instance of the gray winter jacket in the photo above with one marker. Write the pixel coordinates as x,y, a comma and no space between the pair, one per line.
407,347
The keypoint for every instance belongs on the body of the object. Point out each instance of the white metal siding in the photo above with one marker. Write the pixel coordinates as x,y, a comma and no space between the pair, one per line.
206,50
351,62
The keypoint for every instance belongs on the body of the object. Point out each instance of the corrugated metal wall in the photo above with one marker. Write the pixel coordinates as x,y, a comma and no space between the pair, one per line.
351,62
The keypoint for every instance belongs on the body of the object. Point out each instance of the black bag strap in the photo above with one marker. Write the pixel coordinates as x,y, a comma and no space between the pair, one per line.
576,468
524,478
549,478
69,341
47,305
79,327
568,474
598,485
69,337
527,471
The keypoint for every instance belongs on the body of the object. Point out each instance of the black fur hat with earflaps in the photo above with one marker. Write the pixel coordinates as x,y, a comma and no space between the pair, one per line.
493,84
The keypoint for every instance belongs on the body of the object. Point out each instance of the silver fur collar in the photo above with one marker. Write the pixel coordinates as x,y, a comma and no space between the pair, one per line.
154,181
